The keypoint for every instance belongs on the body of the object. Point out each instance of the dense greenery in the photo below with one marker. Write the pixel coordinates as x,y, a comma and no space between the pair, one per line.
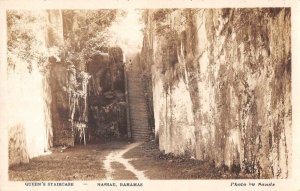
86,32
24,40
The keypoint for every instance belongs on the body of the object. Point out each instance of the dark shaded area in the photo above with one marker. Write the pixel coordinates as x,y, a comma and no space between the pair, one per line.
106,95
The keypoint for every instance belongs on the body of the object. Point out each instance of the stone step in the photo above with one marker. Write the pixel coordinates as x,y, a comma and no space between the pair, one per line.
141,132
142,139
135,78
137,101
142,128
140,109
139,126
139,123
133,93
137,98
135,83
132,83
136,121
136,136
135,90
139,80
139,120
134,75
139,117
137,106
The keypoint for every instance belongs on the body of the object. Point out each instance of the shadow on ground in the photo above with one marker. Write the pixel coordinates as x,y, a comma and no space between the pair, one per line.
76,163
125,161
157,165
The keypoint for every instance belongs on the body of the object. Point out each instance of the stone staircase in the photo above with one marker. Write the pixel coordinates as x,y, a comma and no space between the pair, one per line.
140,130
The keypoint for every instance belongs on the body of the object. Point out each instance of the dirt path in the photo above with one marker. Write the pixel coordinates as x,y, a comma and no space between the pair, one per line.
91,162
117,156
116,161
156,165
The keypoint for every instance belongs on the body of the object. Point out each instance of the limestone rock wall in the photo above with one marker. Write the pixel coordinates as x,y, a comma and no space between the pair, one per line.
30,118
222,86
106,95
68,86
30,130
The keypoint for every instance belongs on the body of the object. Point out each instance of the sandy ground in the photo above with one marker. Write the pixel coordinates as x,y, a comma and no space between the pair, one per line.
157,165
116,160
117,157
76,163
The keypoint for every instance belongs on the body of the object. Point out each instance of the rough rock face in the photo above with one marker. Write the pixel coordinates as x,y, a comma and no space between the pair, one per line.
106,100
30,118
28,111
68,86
222,86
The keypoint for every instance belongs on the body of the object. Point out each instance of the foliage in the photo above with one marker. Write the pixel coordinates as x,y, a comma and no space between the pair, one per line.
87,33
24,40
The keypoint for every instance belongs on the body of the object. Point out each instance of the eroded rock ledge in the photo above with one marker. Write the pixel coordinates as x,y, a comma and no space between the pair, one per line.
222,85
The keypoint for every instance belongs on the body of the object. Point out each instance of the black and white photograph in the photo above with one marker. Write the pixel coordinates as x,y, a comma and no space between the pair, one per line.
122,96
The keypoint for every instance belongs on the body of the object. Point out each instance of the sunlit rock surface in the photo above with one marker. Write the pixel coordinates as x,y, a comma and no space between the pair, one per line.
222,86
29,92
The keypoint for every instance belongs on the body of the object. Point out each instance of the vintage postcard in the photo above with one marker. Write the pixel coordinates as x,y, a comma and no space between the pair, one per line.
149,95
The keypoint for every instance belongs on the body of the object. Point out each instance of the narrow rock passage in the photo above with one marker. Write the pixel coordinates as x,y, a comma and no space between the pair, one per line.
117,156
137,104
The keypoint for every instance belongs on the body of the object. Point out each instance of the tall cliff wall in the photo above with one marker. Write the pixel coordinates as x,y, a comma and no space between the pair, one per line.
222,86
29,95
